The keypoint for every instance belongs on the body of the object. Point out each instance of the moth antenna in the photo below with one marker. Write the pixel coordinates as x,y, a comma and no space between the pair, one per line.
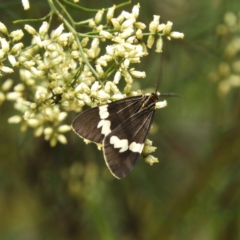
163,95
159,74
168,95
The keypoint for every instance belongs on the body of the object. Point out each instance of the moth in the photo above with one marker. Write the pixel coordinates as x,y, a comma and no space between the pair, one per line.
121,127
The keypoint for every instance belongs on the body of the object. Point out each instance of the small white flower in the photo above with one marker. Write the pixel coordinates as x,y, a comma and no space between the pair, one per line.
53,141
33,105
92,23
27,115
230,19
62,139
41,94
151,159
126,33
48,132
95,44
148,148
58,90
25,4
101,61
15,119
116,24
159,45
87,99
127,88
100,71
127,76
30,29
117,96
126,14
16,35
13,96
121,18
139,34
44,29
17,47
98,16
63,39
33,122
6,86
140,25
176,35
153,26
101,94
6,69
117,77
150,41
3,28
110,13
161,27
75,54
82,87
168,28
57,32
110,50
127,24
126,63
137,74
4,45
106,34
20,87
2,53
135,10
64,128
12,60
38,131
62,116
161,104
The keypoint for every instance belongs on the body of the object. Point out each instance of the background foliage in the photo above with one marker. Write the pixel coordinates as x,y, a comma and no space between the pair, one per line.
67,192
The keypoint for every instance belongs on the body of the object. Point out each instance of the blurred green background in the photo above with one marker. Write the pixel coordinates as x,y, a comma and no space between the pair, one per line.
67,192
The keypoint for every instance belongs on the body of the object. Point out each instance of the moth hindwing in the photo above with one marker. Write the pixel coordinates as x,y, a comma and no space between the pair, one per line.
122,127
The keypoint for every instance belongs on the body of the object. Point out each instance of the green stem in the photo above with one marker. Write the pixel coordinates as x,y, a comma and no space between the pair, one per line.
77,7
71,29
33,20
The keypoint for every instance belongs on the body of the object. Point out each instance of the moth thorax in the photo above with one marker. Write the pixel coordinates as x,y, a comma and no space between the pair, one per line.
150,101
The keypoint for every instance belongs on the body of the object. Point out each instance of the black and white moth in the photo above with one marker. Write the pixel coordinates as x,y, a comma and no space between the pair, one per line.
121,127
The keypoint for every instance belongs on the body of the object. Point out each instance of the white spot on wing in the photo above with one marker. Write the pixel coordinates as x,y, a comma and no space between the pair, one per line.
103,111
105,124
136,147
117,143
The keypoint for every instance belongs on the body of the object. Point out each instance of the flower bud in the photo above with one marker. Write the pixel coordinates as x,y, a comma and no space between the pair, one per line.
25,4
159,45
110,13
16,35
98,16
3,28
168,28
6,86
151,159
17,47
150,41
154,24
44,29
30,29
176,35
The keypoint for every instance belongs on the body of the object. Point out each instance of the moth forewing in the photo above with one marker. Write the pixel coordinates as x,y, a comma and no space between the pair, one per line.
95,123
123,146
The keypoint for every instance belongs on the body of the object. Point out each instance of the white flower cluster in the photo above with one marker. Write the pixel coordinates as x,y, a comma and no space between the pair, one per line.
227,75
63,71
